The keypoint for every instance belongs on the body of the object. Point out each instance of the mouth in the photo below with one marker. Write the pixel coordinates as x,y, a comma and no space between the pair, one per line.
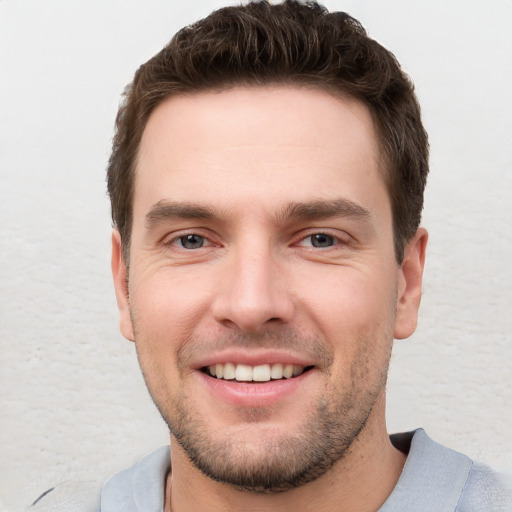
259,373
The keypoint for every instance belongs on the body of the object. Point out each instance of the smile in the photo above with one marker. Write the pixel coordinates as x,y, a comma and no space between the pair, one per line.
259,373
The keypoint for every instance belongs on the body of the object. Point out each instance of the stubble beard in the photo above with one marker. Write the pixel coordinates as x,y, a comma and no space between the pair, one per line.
278,465
291,460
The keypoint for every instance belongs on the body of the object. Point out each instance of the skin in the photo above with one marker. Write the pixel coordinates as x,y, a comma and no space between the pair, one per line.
256,173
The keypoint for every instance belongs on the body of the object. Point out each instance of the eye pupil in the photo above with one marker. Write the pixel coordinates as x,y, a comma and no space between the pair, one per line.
321,240
192,241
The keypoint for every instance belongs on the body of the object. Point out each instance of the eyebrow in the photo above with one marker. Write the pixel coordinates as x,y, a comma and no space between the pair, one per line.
168,210
317,210
165,210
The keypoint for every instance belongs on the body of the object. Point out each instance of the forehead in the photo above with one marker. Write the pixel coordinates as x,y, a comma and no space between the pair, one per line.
267,144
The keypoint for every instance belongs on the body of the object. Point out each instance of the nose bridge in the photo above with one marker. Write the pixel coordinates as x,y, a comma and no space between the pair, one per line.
253,292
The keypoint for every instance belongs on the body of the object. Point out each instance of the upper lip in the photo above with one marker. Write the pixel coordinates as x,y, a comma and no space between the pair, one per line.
252,358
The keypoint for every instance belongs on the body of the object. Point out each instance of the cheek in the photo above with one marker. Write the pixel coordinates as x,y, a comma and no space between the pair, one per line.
352,303
356,317
160,325
167,306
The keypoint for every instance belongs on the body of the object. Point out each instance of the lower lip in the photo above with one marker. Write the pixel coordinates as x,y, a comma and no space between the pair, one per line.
253,394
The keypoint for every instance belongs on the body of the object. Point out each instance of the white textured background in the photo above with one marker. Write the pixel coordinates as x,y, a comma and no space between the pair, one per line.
72,403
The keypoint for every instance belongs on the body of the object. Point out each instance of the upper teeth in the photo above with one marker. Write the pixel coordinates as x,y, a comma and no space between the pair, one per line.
260,373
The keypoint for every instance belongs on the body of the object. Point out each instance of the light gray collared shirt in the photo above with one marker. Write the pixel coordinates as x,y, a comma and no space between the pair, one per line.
434,479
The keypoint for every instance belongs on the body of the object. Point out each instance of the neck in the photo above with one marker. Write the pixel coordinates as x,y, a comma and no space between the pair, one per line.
362,480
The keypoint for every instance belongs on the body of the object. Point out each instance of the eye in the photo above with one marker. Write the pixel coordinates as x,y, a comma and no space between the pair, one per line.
330,239
191,241
321,240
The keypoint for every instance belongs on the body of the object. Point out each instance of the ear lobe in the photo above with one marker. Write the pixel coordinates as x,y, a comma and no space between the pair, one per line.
410,283
119,273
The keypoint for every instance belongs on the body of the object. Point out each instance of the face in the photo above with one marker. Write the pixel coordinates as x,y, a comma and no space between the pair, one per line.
263,291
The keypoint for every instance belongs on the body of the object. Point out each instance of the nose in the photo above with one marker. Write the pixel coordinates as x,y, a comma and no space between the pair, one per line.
253,293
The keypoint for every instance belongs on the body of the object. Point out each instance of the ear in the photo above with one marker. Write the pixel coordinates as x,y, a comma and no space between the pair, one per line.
120,275
409,286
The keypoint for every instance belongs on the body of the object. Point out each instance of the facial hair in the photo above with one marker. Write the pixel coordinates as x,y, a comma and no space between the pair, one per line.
274,465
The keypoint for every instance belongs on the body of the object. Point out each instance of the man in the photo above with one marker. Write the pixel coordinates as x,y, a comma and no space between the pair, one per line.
267,181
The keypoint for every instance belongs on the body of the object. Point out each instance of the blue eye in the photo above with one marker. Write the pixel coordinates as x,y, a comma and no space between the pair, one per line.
192,241
322,240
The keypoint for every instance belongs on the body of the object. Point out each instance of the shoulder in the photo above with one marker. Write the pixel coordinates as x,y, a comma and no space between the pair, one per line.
72,495
136,489
436,478
140,487
486,490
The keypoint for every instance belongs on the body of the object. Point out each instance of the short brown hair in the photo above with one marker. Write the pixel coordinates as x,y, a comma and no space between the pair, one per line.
290,43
